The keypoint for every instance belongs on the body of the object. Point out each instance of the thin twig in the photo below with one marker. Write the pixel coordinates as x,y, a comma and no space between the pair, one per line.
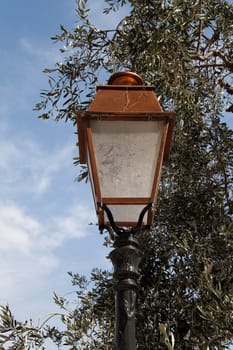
200,32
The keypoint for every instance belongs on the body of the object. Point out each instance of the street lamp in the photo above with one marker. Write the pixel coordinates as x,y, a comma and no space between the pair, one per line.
125,137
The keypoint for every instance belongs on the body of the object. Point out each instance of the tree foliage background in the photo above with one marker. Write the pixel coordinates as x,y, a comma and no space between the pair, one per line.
184,48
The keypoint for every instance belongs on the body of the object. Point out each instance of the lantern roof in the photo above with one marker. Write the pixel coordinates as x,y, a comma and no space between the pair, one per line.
125,99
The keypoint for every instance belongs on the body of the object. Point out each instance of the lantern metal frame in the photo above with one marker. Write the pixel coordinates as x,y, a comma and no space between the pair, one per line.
101,110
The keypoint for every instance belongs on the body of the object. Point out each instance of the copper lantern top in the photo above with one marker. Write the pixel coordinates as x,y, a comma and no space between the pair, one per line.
125,78
125,94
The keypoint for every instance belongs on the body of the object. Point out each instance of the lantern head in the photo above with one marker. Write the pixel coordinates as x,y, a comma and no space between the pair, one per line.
124,137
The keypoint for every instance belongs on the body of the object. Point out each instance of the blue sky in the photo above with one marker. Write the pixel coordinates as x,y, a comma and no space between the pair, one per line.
44,213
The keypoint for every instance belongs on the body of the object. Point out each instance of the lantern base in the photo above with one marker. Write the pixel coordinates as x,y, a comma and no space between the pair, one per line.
118,230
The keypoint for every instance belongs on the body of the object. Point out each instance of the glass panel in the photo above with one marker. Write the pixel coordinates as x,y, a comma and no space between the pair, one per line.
126,213
126,155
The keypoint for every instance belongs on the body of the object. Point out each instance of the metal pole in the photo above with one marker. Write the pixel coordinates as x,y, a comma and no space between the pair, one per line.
125,258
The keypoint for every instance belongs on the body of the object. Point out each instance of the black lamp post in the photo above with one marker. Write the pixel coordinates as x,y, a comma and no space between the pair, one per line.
125,137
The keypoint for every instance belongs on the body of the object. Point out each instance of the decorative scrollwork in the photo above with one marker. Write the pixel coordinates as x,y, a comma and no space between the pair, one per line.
117,230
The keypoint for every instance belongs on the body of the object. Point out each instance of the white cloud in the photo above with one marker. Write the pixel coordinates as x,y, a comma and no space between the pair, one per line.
26,167
44,54
28,247
72,225
20,253
32,227
22,77
8,152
